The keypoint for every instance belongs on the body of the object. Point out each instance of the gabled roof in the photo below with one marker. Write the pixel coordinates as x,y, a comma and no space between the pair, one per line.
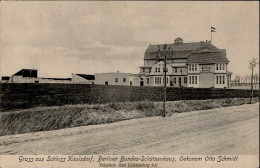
176,50
86,76
173,47
207,57
206,46
5,77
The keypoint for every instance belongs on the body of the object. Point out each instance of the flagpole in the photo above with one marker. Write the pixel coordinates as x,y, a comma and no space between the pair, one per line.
211,35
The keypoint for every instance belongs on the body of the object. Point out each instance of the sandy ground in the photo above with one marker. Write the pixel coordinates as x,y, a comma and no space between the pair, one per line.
229,130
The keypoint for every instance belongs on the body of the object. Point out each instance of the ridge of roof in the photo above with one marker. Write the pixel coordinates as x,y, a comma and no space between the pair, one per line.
173,47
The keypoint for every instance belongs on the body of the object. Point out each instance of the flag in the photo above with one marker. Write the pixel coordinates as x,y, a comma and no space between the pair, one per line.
213,29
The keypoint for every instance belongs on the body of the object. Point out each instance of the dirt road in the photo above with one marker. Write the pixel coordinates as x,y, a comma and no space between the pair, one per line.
230,130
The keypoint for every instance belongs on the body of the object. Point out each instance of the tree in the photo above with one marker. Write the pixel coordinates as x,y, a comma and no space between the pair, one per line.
252,65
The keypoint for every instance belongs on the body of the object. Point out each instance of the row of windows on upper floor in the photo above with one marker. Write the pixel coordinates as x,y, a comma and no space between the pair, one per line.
220,66
194,67
174,69
191,67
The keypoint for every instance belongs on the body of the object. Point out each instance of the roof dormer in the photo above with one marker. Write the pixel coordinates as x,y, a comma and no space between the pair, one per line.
178,40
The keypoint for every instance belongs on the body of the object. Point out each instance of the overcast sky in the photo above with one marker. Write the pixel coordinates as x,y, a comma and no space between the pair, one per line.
60,38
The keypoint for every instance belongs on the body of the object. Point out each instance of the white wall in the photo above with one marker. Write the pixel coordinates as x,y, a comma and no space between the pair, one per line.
110,78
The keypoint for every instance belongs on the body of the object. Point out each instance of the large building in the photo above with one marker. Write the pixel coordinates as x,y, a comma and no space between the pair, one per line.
196,64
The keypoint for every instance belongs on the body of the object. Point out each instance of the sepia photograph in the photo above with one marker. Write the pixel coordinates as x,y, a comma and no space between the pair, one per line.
129,84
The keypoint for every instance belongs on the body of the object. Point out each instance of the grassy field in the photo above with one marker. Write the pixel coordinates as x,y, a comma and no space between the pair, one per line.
67,116
25,96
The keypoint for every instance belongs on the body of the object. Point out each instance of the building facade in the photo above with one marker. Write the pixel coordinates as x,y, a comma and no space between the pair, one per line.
113,78
197,64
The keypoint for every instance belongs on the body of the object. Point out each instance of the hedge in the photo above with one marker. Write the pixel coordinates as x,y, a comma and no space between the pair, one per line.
23,96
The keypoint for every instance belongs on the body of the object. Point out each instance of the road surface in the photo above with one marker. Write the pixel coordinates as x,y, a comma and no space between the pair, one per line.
229,130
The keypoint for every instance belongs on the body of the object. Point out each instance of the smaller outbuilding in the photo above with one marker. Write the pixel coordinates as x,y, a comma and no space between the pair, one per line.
112,78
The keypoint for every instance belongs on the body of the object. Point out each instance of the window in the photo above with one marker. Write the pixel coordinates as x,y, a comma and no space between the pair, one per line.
220,80
155,69
175,70
195,79
195,67
189,79
223,66
116,79
223,79
220,66
167,80
157,80
192,79
159,69
189,67
185,79
216,66
143,70
124,79
141,78
147,80
192,67
216,79
174,80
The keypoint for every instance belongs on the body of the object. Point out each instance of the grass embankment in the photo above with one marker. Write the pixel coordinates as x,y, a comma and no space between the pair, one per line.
58,117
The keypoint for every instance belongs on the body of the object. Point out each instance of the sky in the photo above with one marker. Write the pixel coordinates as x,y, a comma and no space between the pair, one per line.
60,38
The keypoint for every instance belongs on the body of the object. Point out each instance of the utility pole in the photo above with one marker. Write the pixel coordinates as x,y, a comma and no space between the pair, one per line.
252,65
165,73
165,76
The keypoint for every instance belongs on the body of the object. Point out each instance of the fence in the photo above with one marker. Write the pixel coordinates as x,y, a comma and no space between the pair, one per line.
23,96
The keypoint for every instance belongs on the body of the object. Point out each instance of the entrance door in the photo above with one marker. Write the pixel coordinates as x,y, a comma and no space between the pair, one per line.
179,81
106,83
141,83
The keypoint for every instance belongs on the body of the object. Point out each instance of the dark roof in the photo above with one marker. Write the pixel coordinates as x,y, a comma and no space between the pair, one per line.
207,57
5,77
146,66
180,50
27,73
58,78
207,46
88,77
